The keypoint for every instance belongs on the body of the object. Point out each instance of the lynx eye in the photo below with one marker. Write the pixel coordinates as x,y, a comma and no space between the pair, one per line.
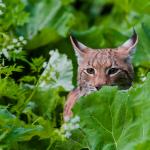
90,70
112,71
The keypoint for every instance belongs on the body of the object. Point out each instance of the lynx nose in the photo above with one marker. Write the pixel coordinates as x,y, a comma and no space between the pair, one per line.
98,87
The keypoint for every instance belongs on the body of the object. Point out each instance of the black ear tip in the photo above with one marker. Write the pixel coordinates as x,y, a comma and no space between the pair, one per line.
73,40
134,33
72,37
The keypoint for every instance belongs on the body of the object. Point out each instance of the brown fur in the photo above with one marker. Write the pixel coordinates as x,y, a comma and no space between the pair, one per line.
100,67
73,96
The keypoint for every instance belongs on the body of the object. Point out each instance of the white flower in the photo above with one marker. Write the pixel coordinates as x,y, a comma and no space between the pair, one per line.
24,42
68,134
44,65
65,127
75,119
21,38
17,51
10,47
5,52
70,125
14,40
18,44
4,49
143,79
66,118
76,126
20,49
2,5
1,13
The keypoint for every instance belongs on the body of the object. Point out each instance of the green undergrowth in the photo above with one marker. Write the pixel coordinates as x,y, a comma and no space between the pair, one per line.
113,119
38,68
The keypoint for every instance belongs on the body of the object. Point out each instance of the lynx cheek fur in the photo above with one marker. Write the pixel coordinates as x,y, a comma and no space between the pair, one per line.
98,67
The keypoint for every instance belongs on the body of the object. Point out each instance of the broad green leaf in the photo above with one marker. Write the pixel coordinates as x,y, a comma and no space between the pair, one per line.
42,13
13,130
44,23
66,2
113,119
5,115
142,55
47,101
109,38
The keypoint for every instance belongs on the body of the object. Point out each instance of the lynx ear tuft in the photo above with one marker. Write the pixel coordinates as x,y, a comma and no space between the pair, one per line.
80,49
77,45
130,44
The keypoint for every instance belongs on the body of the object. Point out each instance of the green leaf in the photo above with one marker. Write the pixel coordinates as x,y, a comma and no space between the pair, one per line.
28,79
13,130
44,24
47,101
142,55
5,115
11,90
13,17
42,13
103,38
113,119
8,70
37,64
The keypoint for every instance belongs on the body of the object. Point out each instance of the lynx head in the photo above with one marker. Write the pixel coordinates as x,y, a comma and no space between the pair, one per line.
110,66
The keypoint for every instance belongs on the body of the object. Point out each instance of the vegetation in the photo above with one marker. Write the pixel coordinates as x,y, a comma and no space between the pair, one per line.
38,69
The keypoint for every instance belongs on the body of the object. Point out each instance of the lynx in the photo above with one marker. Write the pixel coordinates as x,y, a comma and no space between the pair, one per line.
99,67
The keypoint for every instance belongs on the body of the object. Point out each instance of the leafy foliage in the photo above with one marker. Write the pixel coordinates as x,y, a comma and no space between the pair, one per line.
118,120
41,24
34,85
13,17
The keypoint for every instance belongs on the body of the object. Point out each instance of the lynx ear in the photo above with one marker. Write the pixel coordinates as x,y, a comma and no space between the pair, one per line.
80,49
130,44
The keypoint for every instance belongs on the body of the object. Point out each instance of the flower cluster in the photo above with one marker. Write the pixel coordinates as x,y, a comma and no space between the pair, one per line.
57,72
70,125
45,64
16,45
2,7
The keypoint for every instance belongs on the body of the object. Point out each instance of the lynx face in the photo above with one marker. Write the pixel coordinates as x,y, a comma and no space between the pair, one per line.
98,67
